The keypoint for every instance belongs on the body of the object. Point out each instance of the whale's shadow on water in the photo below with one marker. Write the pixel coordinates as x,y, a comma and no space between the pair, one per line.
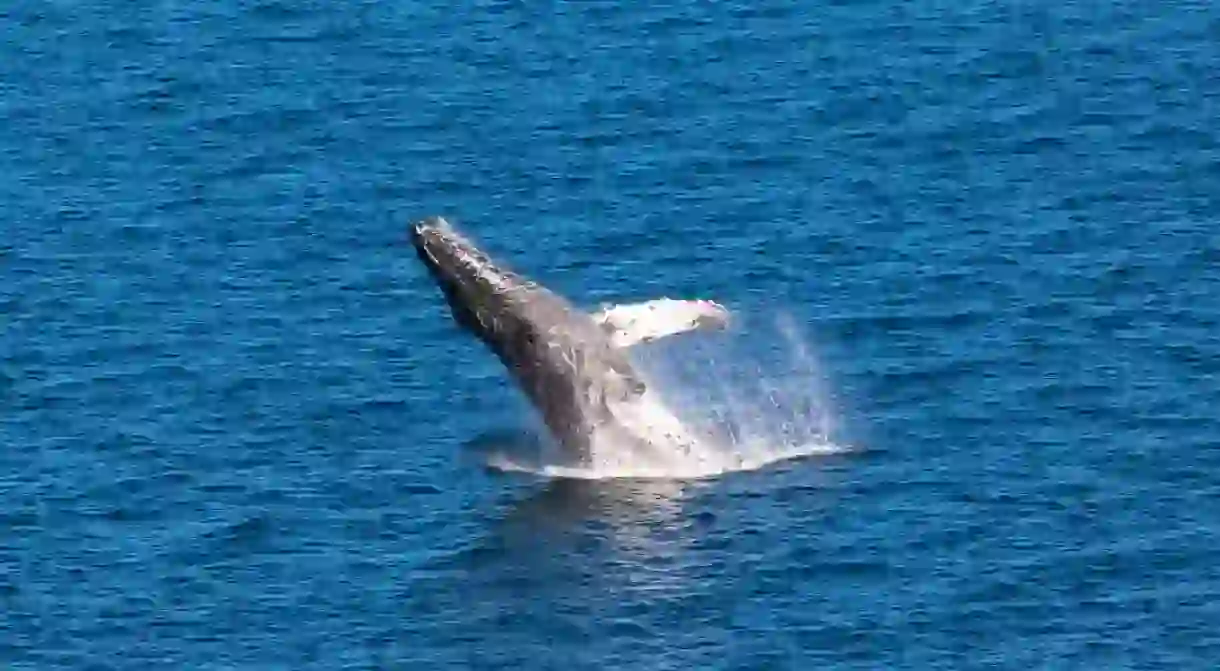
557,533
558,503
512,449
550,547
560,531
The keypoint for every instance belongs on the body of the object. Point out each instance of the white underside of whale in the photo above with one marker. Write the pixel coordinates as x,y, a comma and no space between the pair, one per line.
644,429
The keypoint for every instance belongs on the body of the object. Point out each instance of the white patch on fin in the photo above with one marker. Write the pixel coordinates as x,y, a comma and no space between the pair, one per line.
641,322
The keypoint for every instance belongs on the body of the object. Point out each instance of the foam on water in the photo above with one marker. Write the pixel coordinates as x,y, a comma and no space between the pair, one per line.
715,403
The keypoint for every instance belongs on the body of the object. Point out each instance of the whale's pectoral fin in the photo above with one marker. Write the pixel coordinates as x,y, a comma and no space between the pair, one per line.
642,322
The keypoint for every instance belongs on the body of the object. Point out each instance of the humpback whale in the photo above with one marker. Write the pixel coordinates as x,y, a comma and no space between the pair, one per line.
571,364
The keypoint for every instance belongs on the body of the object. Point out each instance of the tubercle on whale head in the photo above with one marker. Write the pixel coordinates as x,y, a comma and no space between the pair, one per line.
455,259
480,293
432,239
450,268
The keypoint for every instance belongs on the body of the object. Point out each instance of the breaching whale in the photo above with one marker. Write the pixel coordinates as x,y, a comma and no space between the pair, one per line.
571,364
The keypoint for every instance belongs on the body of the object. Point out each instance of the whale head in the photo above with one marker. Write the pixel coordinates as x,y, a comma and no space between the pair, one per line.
558,354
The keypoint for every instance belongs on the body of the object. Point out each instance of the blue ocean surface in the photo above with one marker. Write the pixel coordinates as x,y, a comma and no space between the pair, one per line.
236,418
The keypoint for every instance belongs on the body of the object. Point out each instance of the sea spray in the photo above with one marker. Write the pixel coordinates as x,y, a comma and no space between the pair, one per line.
719,401
756,391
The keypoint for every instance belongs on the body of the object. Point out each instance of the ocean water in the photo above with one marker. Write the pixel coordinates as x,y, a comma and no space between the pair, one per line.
238,429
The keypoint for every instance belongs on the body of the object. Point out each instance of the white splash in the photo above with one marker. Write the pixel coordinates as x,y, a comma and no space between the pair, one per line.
712,406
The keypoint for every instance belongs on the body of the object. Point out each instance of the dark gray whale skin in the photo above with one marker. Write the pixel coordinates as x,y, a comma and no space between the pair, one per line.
557,354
